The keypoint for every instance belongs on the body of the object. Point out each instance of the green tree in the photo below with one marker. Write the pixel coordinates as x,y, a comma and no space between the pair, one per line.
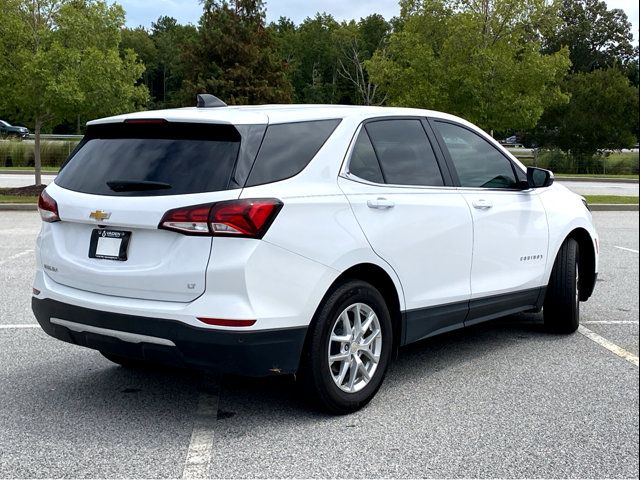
234,56
478,59
325,59
172,40
358,44
141,43
61,60
284,35
315,76
602,114
596,36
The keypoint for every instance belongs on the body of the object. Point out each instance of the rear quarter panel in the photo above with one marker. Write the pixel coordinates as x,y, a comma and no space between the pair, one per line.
317,221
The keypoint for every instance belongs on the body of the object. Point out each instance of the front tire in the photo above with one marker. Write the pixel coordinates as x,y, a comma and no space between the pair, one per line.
562,302
348,349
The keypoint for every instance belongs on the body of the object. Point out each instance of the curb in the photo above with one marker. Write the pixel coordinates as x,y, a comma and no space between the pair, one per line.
13,207
597,207
595,180
611,207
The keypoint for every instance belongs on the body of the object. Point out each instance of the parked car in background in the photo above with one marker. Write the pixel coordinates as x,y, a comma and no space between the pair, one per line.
10,131
306,239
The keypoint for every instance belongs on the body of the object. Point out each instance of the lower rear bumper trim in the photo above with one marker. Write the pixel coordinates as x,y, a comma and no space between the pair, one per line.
124,336
251,353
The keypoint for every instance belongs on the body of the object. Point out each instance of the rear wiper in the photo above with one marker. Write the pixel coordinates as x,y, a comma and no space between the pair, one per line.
136,185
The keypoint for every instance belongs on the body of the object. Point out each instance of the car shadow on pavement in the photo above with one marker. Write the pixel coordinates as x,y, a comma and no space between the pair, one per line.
170,396
267,397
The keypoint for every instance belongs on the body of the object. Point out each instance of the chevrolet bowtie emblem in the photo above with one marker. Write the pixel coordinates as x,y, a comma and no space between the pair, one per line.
99,215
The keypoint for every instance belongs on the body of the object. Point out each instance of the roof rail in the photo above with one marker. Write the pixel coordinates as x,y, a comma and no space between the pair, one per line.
209,101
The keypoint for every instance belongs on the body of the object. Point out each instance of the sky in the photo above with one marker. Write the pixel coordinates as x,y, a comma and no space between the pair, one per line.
143,12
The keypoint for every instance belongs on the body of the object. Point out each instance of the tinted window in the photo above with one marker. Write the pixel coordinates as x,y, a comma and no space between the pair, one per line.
179,158
404,151
364,163
287,148
477,162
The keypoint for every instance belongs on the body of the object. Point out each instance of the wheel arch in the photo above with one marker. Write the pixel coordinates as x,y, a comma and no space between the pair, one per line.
383,282
586,260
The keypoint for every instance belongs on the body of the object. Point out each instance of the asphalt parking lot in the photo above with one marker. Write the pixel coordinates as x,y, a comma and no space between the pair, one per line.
503,399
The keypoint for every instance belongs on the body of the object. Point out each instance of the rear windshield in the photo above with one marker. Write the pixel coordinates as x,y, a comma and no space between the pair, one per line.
152,159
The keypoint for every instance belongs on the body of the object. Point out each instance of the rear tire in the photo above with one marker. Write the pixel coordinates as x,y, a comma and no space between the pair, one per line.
562,302
352,322
126,362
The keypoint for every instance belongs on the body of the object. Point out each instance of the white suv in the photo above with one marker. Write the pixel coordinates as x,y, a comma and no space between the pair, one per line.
308,239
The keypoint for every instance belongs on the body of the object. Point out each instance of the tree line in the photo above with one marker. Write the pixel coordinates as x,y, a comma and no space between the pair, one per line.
560,74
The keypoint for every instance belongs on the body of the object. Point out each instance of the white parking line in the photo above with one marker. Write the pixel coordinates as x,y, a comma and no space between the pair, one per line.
17,255
627,249
612,347
610,322
19,325
200,448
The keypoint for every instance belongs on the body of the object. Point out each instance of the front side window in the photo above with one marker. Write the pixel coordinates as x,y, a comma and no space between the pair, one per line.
478,163
405,153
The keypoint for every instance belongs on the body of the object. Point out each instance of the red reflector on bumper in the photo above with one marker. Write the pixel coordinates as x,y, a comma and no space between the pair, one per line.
223,322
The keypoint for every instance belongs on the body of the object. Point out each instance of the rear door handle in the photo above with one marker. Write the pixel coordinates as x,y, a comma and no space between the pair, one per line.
380,203
482,204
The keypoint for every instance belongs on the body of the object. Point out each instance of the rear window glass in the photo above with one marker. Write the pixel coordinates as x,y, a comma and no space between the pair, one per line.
364,163
287,148
152,159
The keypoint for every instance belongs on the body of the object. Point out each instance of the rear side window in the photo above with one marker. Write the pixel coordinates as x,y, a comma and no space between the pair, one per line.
405,153
152,159
287,148
364,163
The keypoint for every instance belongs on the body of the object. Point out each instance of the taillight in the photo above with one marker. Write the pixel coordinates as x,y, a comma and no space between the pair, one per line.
246,218
189,220
235,218
48,208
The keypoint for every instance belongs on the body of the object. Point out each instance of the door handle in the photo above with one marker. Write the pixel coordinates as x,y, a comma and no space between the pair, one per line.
380,203
482,204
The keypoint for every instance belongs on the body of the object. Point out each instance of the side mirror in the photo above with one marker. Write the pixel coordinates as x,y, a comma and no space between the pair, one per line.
539,177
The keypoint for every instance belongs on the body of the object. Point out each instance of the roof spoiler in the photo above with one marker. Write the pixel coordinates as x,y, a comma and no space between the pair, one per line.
209,101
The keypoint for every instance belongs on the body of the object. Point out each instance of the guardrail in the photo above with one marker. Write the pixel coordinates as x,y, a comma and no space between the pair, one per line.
55,136
523,153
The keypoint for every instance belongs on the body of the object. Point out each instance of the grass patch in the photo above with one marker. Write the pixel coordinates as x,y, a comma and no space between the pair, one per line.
30,169
21,154
607,165
17,199
629,176
611,199
28,194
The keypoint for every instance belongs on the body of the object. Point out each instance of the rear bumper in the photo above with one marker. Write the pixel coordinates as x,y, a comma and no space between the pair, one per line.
256,353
